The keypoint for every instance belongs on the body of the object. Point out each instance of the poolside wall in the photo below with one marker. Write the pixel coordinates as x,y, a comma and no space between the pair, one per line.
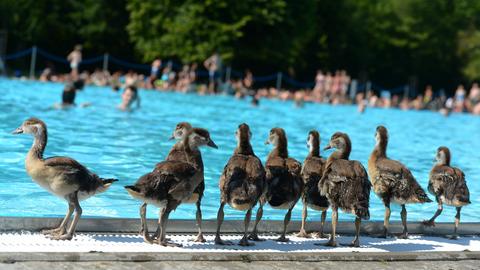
129,225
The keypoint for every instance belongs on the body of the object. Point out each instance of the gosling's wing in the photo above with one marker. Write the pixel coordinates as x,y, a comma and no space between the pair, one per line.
178,169
294,167
176,153
312,168
255,169
449,182
392,169
66,165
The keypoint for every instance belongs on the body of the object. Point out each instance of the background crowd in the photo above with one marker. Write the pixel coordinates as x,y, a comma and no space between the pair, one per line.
328,87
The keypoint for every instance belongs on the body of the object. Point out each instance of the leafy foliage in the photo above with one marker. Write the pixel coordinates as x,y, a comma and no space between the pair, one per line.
389,41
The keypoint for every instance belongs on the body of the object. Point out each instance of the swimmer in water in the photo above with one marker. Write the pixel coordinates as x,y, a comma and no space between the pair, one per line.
129,96
68,95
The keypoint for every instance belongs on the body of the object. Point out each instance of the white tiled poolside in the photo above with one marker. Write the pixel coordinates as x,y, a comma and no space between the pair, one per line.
116,242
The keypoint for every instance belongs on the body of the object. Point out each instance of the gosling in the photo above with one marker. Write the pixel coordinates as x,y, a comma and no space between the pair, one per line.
392,181
312,171
346,186
61,176
448,185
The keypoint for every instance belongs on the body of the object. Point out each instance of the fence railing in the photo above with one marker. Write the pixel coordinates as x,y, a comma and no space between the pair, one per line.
276,79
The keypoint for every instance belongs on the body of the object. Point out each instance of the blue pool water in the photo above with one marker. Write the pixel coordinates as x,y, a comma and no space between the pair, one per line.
124,145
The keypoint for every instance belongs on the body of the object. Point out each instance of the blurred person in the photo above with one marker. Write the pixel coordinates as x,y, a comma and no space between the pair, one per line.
386,97
213,65
129,96
298,98
428,101
183,80
75,57
361,102
69,93
327,87
336,81
319,82
193,73
131,78
404,104
476,109
100,77
46,75
115,82
344,82
154,73
473,97
248,79
459,99
255,100
417,103
165,79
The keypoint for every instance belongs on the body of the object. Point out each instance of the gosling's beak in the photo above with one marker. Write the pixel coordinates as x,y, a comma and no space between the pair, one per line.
267,142
171,137
212,144
327,147
19,130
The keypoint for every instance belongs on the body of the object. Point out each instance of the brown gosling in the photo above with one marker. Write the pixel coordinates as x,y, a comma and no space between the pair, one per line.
180,153
284,181
448,185
61,176
392,181
170,184
346,186
242,183
312,171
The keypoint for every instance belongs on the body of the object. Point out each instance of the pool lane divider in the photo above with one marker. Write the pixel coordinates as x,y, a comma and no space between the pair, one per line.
131,225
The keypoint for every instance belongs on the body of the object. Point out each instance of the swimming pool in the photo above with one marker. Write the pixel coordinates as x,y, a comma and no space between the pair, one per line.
124,145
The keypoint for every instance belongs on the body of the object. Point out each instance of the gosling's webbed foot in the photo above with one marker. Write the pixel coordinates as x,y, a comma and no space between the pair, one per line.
319,235
428,223
200,238
147,238
166,243
403,236
355,243
303,234
453,237
244,242
330,243
282,239
385,235
156,236
219,241
60,230
254,237
66,236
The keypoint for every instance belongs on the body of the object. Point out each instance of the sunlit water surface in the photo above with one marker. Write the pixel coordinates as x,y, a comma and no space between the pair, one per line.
125,145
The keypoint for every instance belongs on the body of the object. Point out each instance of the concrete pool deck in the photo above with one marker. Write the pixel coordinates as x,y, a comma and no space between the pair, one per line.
117,240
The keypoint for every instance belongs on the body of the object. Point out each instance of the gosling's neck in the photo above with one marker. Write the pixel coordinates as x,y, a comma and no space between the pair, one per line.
280,149
39,144
244,147
313,150
342,153
380,150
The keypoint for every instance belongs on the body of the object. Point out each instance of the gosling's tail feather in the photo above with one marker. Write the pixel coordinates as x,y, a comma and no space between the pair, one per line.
135,192
422,197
